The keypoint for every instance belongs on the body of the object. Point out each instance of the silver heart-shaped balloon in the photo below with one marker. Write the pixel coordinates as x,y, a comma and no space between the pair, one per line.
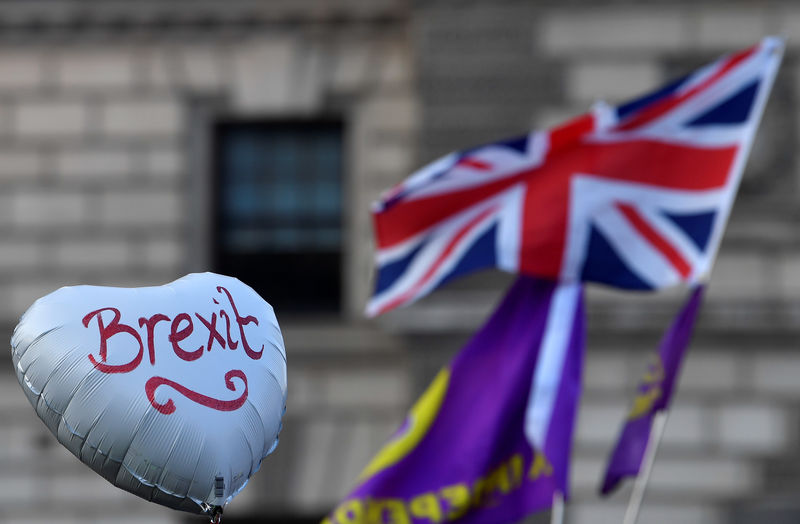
174,393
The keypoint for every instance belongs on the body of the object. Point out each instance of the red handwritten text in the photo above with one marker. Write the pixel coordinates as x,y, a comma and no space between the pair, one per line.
180,327
168,407
106,332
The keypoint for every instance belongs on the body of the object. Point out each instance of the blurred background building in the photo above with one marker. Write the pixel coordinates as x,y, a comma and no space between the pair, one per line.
141,140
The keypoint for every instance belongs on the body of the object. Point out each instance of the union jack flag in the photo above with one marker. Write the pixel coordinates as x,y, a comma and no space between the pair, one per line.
634,197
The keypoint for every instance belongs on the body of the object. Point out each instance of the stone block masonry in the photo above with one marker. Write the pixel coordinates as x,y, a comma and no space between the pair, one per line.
51,118
83,68
147,118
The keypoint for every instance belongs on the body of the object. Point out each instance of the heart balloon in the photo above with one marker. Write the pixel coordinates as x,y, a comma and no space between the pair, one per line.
174,393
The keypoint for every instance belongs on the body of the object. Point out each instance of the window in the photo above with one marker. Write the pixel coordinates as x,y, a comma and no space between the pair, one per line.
278,203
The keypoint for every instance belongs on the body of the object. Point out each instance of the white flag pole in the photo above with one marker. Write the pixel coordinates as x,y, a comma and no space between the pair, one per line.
639,487
557,510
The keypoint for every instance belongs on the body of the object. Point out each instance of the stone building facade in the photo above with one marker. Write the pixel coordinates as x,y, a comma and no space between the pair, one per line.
109,138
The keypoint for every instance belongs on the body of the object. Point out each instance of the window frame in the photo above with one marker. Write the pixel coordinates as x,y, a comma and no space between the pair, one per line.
216,129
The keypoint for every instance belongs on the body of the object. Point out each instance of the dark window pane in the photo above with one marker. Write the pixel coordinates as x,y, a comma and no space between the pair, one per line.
278,210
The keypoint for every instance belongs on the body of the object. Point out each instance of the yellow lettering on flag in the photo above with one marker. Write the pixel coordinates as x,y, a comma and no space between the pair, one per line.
351,512
539,466
457,497
387,511
426,506
651,383
516,470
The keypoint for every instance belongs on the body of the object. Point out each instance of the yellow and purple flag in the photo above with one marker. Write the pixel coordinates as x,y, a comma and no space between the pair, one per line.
471,448
654,394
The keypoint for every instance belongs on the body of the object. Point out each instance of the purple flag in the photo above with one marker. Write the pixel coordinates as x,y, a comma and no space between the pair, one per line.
654,395
464,450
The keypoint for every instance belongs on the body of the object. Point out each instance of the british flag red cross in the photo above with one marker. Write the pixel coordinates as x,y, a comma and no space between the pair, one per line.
635,196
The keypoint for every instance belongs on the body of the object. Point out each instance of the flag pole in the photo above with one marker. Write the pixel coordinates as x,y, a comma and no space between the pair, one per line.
637,495
557,511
